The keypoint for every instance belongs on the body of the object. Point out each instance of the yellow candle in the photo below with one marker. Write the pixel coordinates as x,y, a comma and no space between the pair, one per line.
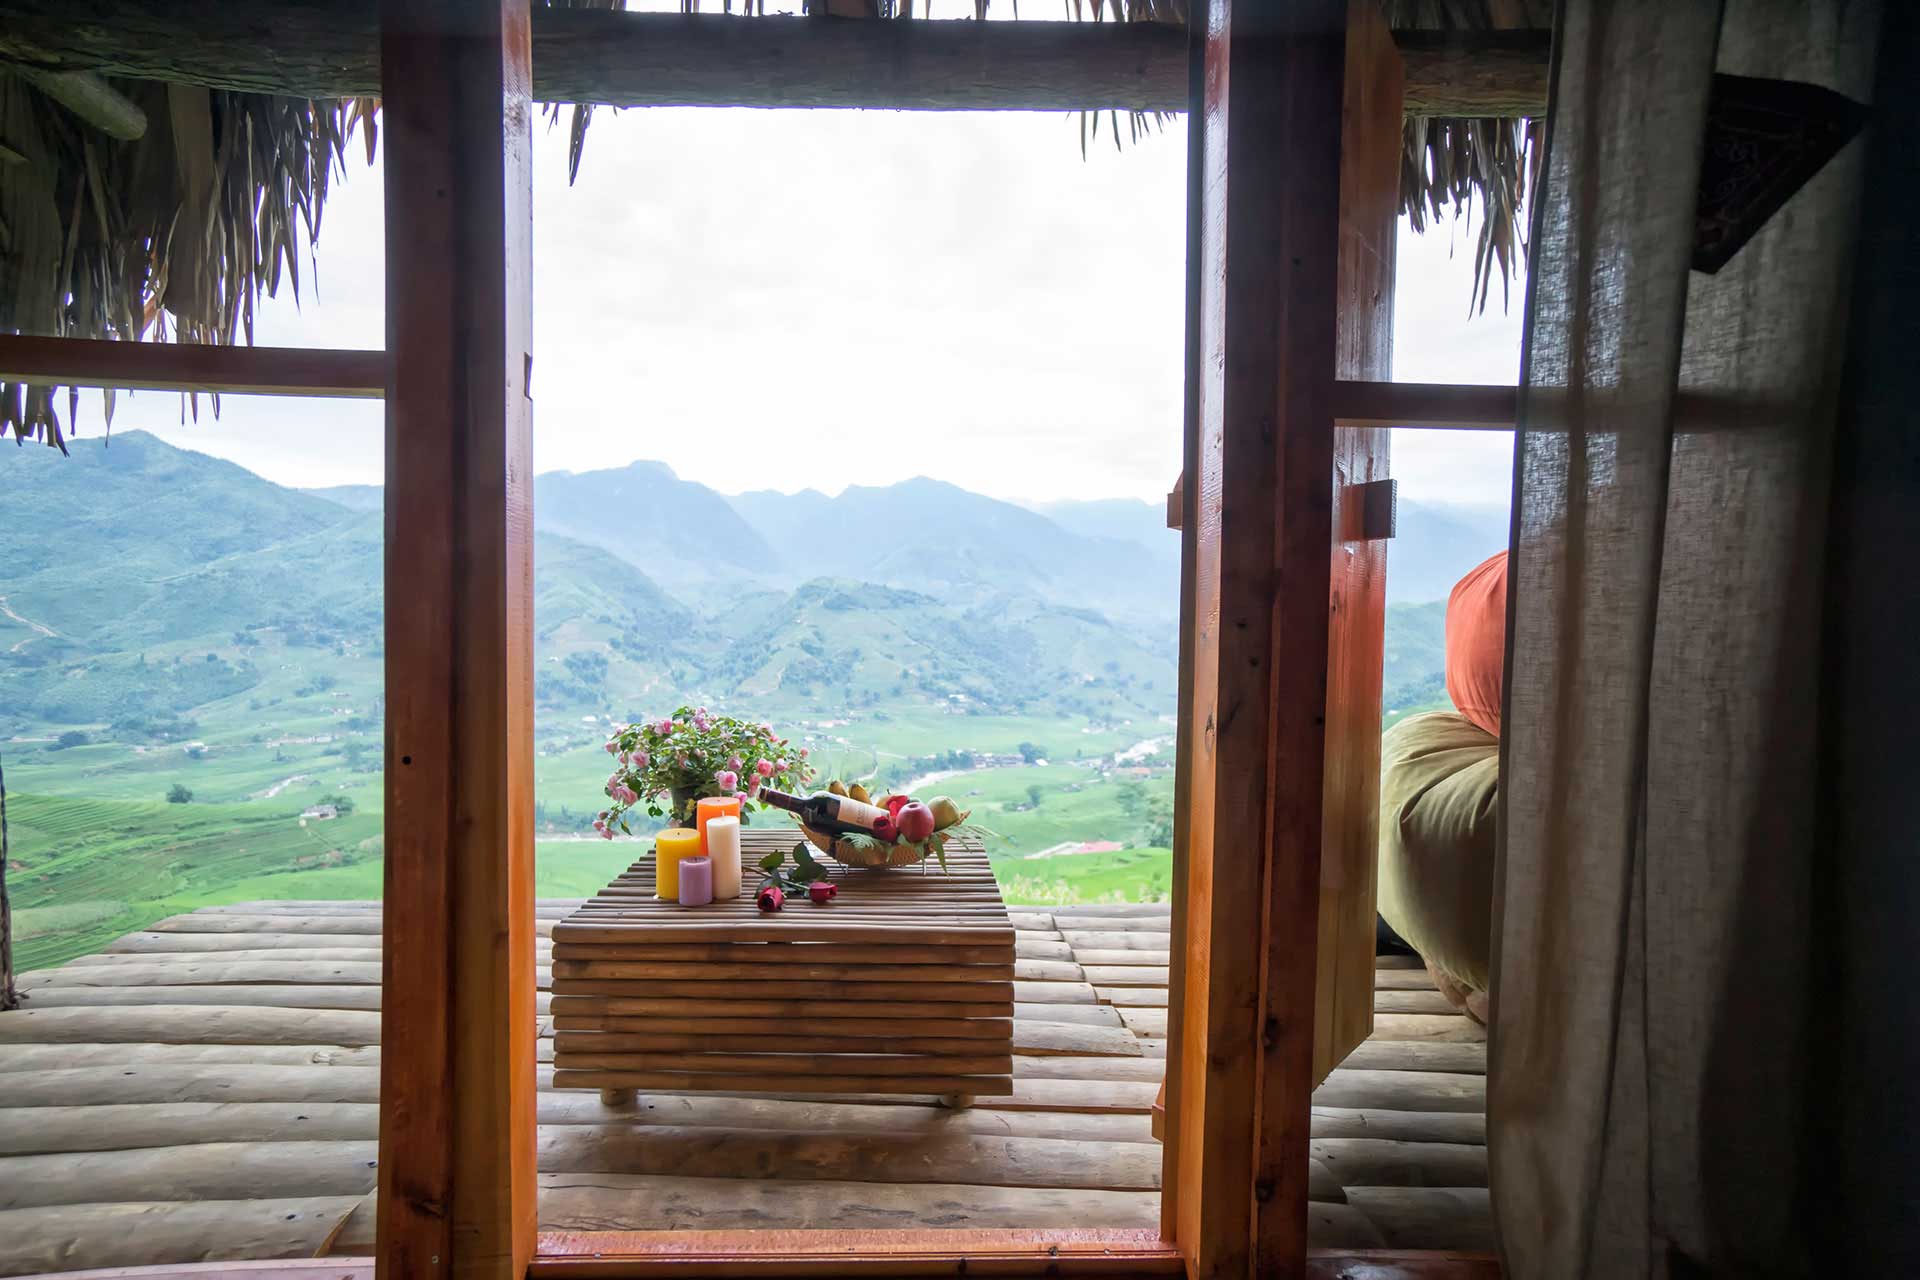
712,807
669,847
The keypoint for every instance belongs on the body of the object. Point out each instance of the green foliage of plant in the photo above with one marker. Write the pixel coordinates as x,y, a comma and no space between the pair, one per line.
806,869
179,793
669,764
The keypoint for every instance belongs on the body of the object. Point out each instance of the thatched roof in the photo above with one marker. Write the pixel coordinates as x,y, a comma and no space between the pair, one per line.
135,208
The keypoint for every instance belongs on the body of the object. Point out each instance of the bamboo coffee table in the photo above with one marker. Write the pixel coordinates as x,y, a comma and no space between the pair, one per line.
902,984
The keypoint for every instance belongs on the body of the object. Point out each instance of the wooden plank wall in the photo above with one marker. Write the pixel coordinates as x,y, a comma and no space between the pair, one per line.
457,1081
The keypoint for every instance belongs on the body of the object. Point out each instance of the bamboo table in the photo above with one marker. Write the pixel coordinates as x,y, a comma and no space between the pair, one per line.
902,984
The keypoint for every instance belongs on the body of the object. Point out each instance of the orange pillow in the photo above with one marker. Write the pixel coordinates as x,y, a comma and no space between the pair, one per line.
1477,642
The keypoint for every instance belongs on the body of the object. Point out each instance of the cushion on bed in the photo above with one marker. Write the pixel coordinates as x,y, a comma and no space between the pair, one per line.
1439,780
1477,642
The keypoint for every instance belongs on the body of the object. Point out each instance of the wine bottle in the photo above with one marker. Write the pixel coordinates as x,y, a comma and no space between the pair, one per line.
826,812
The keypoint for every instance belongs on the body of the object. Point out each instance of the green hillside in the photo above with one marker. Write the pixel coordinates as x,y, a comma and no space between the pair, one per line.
193,629
1416,657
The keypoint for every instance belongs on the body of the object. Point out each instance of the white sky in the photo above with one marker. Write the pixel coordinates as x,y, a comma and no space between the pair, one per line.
815,298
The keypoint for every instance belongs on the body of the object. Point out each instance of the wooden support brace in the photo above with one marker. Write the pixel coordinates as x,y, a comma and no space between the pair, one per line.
173,366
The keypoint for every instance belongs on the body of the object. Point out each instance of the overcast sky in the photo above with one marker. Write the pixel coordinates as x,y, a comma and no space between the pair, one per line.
816,298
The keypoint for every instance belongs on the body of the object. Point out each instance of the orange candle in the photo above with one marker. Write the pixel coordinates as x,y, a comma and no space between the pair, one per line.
713,807
669,847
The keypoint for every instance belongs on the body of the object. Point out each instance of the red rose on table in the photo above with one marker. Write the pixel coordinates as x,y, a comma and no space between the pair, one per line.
770,899
822,892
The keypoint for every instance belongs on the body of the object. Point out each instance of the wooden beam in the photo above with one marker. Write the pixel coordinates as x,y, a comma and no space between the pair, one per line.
89,97
1066,1251
349,374
456,1182
172,366
1428,405
1260,506
1475,73
328,49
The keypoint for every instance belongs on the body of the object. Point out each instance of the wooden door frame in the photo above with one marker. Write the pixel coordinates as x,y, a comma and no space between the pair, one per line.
457,1189
456,1193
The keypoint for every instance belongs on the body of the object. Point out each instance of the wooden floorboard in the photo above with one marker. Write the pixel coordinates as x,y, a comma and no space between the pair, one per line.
207,1089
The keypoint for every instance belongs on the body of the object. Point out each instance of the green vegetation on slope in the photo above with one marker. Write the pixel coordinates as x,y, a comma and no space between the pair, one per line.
198,630
86,871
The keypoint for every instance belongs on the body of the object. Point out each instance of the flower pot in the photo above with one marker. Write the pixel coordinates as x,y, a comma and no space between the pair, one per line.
686,801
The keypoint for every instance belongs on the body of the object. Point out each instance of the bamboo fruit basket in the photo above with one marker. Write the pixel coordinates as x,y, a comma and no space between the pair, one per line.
853,855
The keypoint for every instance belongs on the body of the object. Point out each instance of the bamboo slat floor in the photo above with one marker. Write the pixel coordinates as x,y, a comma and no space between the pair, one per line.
207,1089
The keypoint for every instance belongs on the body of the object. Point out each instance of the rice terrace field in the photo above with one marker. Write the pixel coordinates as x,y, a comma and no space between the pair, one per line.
85,871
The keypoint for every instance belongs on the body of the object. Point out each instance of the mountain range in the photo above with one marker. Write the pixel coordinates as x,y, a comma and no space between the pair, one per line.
168,579
917,591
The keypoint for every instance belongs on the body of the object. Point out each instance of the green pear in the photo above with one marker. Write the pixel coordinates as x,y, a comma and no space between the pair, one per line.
946,813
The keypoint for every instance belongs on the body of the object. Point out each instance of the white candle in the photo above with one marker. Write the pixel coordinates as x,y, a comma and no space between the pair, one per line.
723,849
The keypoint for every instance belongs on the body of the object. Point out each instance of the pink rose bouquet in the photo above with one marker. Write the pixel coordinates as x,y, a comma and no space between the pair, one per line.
667,765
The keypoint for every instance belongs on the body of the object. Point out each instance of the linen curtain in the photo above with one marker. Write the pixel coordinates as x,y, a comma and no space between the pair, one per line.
1657,918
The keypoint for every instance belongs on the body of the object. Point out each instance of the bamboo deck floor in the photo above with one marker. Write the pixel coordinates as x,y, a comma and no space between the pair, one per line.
207,1089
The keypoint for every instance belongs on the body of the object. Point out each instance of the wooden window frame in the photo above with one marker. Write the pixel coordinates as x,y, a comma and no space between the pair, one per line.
457,1187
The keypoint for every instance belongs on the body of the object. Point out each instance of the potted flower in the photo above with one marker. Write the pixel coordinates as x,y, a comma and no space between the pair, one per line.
668,765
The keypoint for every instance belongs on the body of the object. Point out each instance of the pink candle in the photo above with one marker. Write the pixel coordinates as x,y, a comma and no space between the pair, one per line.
696,881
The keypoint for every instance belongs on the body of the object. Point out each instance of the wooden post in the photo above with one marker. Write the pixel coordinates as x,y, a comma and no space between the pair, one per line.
456,1192
1357,607
1259,489
1168,1114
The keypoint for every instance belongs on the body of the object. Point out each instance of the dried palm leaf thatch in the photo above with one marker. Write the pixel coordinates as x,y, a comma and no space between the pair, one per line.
582,113
1446,162
174,235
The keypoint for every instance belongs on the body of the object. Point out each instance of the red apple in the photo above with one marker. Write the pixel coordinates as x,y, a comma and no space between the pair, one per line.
916,822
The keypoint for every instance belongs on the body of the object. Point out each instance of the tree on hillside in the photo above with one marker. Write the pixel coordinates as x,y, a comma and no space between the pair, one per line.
1033,794
9,998
178,794
1031,752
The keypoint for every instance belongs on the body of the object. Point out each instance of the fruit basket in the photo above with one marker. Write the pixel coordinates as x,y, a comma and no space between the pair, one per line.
868,853
892,847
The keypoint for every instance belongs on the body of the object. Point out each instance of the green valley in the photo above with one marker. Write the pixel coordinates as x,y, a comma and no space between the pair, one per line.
190,630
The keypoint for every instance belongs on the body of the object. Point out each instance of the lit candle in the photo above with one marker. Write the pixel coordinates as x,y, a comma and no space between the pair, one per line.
723,851
709,808
696,882
669,847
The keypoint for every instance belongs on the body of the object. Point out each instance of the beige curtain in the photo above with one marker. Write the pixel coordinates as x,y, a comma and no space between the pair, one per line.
1655,925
